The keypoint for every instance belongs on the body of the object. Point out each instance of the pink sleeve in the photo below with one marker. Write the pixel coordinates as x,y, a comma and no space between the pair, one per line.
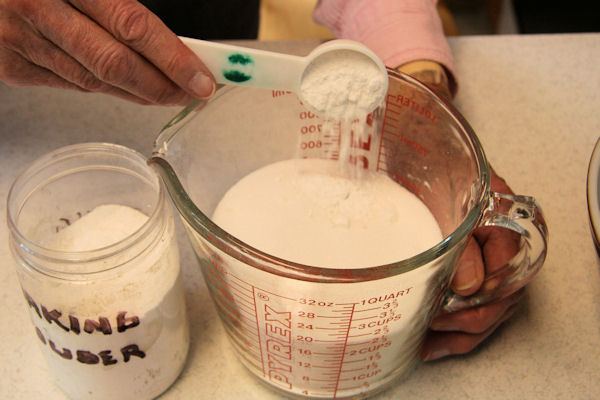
398,31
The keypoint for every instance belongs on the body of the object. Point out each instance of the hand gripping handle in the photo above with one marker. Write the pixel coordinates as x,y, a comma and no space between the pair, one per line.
523,215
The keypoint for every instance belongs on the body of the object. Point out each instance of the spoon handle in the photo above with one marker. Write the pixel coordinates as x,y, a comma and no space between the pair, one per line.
236,65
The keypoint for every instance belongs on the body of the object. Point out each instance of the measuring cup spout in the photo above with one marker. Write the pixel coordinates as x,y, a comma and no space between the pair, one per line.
162,165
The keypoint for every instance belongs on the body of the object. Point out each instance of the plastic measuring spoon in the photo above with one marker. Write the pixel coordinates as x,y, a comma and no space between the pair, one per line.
235,65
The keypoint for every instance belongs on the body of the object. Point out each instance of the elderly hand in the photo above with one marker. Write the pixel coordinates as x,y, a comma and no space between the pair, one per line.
488,250
114,47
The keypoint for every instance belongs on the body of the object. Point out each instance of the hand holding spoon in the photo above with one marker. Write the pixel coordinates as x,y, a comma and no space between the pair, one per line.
333,75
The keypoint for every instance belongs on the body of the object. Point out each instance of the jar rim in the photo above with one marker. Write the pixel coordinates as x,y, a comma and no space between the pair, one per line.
32,247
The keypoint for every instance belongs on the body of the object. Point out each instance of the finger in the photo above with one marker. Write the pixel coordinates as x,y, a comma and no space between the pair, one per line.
498,245
441,344
17,71
30,60
134,25
476,320
469,270
498,184
20,72
97,51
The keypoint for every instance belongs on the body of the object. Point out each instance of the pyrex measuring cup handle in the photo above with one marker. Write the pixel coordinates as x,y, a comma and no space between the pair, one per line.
523,215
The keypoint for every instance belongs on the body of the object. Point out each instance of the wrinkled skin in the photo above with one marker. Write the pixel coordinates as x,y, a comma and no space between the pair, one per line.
487,251
122,49
114,47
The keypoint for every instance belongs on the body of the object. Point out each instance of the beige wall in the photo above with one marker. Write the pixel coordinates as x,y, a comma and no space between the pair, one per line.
290,19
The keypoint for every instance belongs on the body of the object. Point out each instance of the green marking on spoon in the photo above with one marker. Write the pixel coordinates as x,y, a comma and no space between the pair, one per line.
236,76
243,72
237,58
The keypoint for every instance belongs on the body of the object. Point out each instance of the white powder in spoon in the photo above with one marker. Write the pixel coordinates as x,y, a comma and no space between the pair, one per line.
343,85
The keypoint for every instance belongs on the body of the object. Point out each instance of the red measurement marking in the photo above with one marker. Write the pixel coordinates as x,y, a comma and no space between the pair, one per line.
213,273
390,109
257,327
331,373
385,146
368,309
246,312
365,318
385,164
353,387
343,352
400,101
279,93
384,153
359,343
390,120
253,289
239,296
355,361
231,294
241,290
362,394
391,133
359,335
228,306
355,369
251,330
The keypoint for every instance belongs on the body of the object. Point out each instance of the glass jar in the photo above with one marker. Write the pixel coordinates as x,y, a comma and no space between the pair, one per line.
110,317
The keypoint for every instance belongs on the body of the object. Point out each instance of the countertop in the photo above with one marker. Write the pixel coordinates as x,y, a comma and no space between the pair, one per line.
533,101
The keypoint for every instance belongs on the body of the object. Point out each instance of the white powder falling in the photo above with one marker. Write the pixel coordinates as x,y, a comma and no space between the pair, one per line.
343,85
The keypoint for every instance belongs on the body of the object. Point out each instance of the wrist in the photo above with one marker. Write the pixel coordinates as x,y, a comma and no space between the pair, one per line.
431,74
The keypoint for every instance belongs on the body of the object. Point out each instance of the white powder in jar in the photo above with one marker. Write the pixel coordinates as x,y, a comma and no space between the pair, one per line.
105,225
123,333
343,85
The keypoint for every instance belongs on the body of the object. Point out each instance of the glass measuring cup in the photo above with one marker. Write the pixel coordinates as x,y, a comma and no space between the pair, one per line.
338,333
